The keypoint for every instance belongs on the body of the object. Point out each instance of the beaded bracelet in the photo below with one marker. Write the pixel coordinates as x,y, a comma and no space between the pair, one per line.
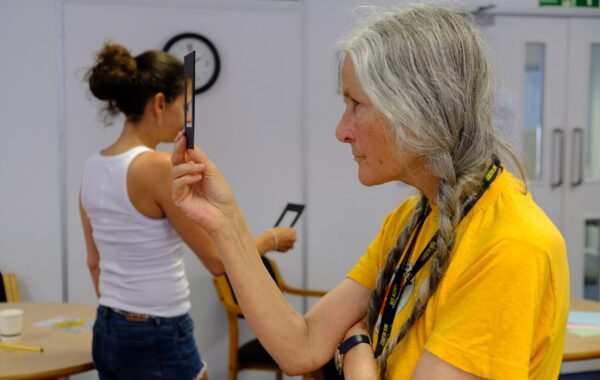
272,231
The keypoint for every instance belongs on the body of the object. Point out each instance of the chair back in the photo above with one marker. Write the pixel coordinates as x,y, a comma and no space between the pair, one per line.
273,269
9,288
252,355
225,293
241,357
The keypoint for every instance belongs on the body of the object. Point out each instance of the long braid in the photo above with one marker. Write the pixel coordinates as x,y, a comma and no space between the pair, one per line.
376,296
449,200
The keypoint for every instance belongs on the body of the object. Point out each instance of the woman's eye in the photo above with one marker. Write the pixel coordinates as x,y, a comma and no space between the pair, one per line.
351,104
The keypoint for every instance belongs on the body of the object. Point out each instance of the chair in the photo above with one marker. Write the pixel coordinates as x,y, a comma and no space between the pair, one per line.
252,355
9,288
276,274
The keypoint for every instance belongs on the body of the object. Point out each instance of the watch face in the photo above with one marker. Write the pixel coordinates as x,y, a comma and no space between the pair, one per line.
208,63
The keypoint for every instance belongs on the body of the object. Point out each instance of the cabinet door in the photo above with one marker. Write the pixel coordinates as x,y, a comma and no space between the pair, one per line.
582,190
529,53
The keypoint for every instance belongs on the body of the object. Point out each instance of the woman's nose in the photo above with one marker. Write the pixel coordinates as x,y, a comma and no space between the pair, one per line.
343,132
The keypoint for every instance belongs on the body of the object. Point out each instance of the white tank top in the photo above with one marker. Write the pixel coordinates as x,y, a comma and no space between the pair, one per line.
141,263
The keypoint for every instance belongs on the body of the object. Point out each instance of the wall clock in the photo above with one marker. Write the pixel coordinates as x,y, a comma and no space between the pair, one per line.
208,63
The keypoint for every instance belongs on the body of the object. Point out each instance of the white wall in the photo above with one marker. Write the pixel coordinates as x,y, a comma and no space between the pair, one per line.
30,233
344,215
269,123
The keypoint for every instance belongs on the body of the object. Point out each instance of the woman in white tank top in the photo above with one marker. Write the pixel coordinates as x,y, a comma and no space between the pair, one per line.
133,230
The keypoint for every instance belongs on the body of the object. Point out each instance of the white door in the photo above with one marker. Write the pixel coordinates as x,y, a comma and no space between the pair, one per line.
529,56
582,196
546,65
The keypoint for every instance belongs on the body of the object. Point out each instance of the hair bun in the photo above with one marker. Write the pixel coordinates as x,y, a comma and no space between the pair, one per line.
114,73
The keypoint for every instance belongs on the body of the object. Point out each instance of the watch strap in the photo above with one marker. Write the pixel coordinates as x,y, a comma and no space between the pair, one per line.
346,345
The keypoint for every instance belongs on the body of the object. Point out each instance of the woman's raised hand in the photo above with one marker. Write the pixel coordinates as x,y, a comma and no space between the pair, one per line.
286,237
198,187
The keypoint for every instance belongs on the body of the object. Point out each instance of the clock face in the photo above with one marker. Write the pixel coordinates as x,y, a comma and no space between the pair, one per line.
208,63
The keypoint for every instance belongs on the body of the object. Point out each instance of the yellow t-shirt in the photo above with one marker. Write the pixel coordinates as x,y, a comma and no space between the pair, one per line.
501,309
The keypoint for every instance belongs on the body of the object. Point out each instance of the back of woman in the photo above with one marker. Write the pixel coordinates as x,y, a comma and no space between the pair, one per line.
142,264
132,229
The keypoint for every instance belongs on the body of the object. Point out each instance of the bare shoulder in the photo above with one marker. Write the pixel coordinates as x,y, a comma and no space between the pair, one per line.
150,171
150,165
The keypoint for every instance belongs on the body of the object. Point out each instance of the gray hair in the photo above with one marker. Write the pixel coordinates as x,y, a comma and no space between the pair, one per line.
426,69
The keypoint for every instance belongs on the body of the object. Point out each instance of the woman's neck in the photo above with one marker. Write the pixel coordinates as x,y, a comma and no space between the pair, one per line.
133,134
420,177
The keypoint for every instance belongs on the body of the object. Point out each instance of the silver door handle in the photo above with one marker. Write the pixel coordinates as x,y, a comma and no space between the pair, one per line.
577,156
558,133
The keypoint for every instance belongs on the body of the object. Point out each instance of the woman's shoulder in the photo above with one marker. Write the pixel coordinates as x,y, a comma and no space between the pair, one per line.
148,182
152,160
404,209
150,168
398,217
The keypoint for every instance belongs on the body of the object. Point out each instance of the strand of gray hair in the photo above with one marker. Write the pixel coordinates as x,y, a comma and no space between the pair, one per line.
393,258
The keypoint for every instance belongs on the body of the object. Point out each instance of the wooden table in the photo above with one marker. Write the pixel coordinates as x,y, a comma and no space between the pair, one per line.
65,353
582,348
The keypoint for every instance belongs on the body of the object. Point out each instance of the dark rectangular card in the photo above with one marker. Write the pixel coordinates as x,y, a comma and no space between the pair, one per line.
189,106
290,215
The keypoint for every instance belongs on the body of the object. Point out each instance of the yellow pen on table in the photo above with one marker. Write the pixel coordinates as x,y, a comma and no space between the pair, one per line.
10,346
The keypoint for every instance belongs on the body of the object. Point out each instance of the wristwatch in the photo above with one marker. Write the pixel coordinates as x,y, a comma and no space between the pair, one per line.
345,347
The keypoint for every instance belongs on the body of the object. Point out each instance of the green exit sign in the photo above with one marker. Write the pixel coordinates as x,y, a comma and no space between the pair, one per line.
570,3
587,3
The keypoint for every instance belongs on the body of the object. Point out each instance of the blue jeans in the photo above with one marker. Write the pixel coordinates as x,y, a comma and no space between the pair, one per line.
158,348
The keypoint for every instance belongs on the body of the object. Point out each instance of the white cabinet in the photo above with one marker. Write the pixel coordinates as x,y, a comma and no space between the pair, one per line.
549,77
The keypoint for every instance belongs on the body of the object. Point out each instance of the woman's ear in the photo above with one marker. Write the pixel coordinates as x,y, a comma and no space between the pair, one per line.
159,104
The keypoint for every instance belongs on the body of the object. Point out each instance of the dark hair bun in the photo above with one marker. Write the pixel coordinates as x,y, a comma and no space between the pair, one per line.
126,83
114,73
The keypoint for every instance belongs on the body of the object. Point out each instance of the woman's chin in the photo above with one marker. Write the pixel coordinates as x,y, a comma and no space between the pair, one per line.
366,180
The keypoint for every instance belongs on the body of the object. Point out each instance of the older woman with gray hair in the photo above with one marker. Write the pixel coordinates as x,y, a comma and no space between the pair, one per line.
468,279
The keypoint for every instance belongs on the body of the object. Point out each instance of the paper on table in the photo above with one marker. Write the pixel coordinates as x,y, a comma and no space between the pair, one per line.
69,324
585,333
589,318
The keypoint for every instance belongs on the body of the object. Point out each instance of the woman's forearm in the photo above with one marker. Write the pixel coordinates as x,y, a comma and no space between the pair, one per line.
360,364
280,328
264,242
